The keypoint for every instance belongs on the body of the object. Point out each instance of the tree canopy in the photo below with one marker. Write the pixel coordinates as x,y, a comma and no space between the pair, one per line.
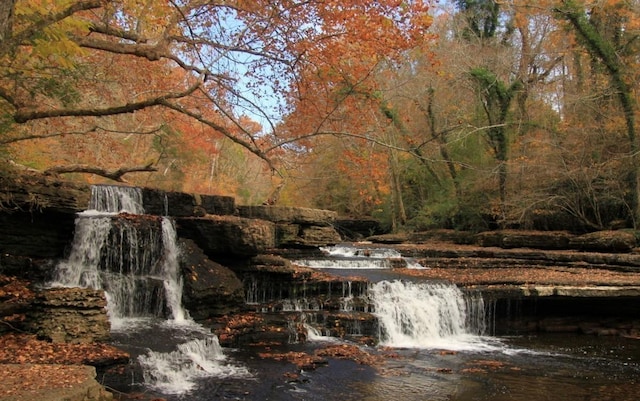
462,114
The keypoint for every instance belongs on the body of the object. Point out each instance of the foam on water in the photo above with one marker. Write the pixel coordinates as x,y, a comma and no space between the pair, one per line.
177,372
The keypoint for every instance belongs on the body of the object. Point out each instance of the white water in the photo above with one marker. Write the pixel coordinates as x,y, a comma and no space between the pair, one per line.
177,372
172,278
116,199
139,271
428,315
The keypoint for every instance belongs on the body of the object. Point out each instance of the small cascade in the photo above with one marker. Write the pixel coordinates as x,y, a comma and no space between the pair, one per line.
397,313
116,199
176,372
427,315
356,257
135,260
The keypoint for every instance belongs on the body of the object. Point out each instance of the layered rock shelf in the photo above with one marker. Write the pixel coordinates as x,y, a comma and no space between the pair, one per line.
239,279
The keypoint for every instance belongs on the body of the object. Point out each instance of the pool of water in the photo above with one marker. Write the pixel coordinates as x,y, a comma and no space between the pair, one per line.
534,368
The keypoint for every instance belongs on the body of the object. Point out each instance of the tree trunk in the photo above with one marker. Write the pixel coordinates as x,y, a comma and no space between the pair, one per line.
605,51
6,19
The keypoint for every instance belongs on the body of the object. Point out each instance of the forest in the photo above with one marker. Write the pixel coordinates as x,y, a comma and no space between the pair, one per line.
467,114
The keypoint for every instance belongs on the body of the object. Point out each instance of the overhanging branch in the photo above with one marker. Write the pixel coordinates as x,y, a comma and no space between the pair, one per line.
115,175
22,116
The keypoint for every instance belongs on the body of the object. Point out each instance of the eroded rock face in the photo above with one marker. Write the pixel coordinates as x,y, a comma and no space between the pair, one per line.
296,235
618,241
228,235
180,204
296,226
75,315
32,193
283,214
210,289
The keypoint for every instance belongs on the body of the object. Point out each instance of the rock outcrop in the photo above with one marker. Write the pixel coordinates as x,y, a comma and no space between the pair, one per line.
73,315
210,289
226,236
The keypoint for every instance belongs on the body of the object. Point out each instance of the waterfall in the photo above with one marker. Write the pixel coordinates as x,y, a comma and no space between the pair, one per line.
176,372
135,260
426,315
116,199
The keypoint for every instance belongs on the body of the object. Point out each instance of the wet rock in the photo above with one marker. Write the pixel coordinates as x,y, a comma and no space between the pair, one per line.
210,289
74,315
180,204
39,234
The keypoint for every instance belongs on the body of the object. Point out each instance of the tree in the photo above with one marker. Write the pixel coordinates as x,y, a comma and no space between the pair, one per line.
237,59
602,32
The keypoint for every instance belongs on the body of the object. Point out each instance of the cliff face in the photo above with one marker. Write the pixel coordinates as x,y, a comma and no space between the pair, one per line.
229,249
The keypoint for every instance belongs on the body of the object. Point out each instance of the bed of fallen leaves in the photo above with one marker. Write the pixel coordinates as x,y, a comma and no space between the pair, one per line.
29,365
19,348
29,380
15,296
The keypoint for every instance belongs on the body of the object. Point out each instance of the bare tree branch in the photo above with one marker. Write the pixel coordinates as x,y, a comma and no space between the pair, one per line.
22,116
115,175
93,128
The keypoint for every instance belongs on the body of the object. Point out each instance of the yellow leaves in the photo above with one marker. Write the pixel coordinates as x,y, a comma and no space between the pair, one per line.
52,44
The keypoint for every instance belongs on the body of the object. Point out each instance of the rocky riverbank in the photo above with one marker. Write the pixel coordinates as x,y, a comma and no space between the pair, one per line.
532,281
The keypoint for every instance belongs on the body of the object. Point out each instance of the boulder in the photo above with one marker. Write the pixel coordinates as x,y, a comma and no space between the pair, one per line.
210,289
297,235
228,235
73,315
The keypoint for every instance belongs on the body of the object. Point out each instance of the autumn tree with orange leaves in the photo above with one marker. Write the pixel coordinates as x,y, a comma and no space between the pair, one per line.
128,69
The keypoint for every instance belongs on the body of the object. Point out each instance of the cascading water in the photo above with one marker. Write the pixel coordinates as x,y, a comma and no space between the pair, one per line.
349,257
411,314
136,262
426,315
